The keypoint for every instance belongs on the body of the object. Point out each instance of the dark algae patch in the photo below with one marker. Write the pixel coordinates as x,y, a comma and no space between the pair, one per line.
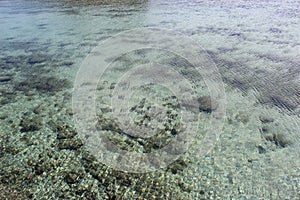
43,84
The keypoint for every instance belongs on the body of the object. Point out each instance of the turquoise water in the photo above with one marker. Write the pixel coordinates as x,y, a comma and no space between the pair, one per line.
254,46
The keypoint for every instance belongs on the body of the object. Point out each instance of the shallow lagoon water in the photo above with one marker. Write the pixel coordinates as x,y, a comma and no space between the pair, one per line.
255,46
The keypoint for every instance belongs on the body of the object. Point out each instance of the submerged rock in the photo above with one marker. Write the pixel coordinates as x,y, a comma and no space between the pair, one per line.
206,105
178,165
242,117
7,96
30,123
276,135
266,119
72,144
261,149
5,78
35,59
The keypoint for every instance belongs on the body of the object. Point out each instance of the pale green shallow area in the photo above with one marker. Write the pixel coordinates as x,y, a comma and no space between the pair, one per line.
255,45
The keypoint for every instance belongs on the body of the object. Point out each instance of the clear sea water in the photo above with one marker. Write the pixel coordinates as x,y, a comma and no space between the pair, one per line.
254,46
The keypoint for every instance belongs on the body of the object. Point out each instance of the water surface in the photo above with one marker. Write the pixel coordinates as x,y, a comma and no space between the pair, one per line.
255,45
